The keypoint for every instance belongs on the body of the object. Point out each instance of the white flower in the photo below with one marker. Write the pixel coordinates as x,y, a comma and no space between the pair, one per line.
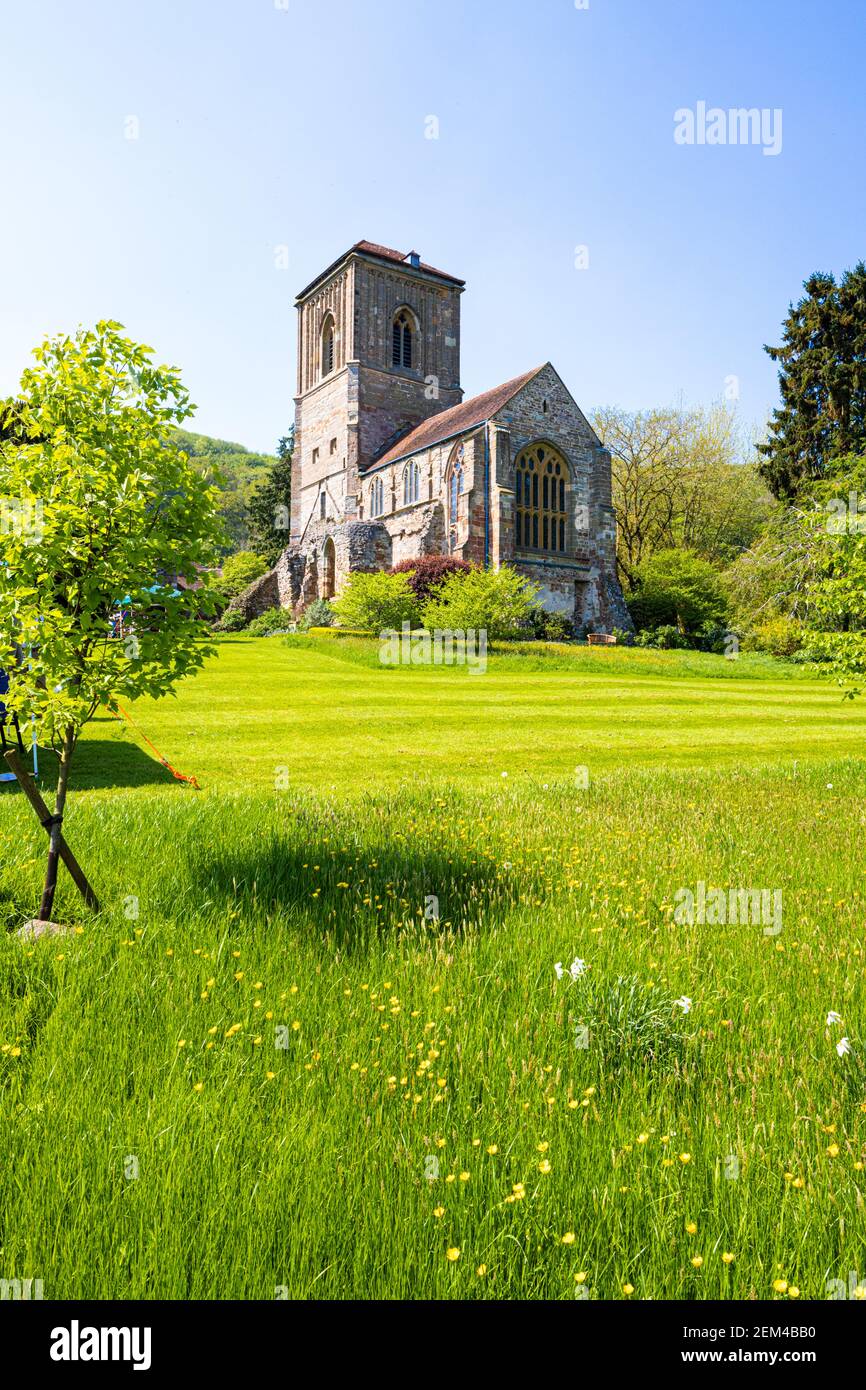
558,969
503,774
684,1003
843,1047
576,968
829,786
833,1017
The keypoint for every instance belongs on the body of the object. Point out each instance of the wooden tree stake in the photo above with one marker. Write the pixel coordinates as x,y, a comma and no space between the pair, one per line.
28,786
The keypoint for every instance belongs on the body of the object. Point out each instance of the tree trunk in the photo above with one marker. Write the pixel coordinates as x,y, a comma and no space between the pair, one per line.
46,907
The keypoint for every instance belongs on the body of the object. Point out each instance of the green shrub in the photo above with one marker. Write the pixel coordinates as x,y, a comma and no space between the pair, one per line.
232,620
549,627
318,614
496,601
779,636
238,573
377,601
274,620
677,587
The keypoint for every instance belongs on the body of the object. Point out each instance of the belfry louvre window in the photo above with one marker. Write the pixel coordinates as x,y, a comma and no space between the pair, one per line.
541,500
328,346
401,346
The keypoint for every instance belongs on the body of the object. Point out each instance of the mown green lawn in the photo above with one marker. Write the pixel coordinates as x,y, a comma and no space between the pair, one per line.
327,711
268,1065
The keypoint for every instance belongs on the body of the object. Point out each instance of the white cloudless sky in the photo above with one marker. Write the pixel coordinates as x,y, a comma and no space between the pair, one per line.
302,124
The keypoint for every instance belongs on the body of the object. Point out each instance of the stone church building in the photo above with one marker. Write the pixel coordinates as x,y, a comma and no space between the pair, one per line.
390,463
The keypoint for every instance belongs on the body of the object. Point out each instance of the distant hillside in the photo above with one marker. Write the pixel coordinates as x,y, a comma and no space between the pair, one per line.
239,473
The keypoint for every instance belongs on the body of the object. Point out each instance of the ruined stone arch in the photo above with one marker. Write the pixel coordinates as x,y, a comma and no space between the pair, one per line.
329,568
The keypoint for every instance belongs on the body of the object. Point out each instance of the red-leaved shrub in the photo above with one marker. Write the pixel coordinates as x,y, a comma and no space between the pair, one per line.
428,571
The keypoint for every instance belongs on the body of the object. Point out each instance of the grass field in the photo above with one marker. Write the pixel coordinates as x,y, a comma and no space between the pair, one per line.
263,1068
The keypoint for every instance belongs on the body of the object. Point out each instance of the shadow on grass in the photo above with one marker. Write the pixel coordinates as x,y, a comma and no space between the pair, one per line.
351,894
98,764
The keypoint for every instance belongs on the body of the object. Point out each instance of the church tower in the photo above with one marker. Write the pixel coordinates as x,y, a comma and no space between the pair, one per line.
378,352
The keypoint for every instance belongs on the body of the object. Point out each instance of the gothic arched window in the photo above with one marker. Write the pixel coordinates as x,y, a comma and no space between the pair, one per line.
455,487
411,484
541,500
402,345
377,497
328,345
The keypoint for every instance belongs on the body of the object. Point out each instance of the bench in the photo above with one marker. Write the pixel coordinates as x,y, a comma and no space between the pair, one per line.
601,639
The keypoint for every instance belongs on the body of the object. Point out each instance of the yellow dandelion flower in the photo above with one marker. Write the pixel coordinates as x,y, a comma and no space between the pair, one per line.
780,1285
493,1148
464,1177
580,1277
544,1166
628,1289
685,1158
481,1271
568,1238
833,1150
793,1291
642,1138
199,1086
438,1211
727,1257
452,1253
691,1227
697,1261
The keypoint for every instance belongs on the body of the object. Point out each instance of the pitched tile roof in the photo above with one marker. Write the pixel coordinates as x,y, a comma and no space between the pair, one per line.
382,253
457,420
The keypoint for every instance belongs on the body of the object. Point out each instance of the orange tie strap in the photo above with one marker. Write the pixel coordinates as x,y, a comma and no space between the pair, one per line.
178,776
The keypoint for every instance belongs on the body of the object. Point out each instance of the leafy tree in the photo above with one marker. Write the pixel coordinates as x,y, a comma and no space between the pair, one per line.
238,573
837,593
109,507
678,481
822,380
269,507
771,580
498,602
235,470
376,601
678,586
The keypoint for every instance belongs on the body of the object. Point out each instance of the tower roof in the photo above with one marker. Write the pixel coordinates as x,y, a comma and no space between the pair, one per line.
408,260
457,420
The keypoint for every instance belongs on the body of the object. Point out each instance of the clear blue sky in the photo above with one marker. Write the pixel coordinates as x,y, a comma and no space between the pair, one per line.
304,127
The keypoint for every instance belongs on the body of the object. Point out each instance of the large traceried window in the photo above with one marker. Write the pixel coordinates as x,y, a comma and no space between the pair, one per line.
455,488
402,340
328,345
541,500
377,497
411,484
